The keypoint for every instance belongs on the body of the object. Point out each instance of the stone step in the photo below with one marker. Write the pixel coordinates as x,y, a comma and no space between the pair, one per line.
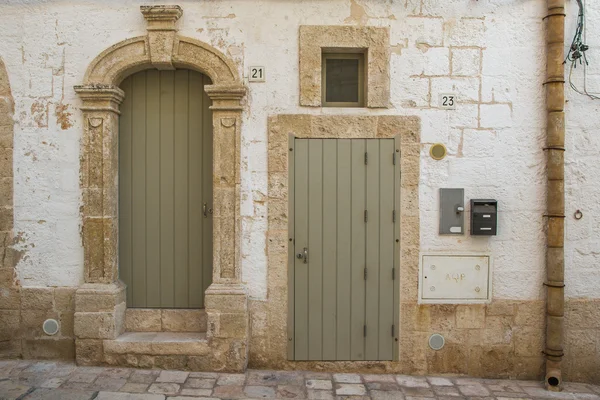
159,343
165,320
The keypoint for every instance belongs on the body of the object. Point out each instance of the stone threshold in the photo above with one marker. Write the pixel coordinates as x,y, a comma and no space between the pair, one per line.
159,343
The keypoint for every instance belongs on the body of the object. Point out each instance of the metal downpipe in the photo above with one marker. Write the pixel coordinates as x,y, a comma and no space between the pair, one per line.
555,214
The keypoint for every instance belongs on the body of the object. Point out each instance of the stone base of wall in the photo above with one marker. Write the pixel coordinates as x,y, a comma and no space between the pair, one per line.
22,314
504,339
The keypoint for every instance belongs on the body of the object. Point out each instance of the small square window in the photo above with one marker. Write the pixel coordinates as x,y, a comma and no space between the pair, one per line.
343,80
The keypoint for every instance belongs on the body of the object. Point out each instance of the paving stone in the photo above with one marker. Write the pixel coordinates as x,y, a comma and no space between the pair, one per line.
231,379
52,383
108,384
164,388
586,396
290,392
128,396
261,392
206,375
317,375
274,378
191,398
83,377
320,394
60,394
378,378
82,386
319,384
393,386
575,387
195,392
351,389
229,392
172,376
347,378
417,391
412,381
117,372
513,398
142,376
12,390
198,383
446,391
439,381
505,386
387,395
510,395
132,387
474,390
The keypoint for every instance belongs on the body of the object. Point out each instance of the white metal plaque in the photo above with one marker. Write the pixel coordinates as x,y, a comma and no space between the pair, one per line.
454,279
447,101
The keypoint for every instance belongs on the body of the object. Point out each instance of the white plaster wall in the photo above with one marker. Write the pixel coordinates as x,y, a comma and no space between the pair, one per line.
490,52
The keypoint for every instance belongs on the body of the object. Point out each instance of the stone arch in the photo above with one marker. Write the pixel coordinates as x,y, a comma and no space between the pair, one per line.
10,344
225,299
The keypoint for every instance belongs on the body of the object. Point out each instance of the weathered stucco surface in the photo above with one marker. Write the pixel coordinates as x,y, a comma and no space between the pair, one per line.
490,53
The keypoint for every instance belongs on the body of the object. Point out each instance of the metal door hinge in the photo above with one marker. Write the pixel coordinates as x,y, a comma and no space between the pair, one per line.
365,273
366,216
366,158
394,216
365,330
393,330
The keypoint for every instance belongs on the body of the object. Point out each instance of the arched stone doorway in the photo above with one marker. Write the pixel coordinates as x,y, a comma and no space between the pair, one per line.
100,302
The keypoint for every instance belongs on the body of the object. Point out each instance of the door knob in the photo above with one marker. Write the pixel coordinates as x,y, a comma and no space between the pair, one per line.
303,255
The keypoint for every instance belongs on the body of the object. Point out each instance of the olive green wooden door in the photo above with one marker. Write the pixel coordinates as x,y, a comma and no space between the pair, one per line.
344,255
165,189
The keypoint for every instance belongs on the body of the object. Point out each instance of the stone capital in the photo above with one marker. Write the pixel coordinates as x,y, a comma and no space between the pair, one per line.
161,18
226,97
100,97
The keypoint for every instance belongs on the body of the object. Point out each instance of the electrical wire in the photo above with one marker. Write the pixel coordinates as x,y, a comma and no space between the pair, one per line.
577,54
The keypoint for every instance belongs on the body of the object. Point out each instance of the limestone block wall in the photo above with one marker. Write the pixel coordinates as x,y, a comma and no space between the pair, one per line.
490,53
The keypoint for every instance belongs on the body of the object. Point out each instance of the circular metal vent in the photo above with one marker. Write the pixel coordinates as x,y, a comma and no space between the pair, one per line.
50,327
436,341
437,151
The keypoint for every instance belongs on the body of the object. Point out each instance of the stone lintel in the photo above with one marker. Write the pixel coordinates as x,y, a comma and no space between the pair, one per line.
100,97
161,17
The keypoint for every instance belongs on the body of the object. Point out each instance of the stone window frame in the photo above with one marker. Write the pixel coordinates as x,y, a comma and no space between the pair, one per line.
100,302
374,41
285,126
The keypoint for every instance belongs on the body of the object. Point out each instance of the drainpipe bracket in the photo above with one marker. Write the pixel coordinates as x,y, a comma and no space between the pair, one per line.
555,284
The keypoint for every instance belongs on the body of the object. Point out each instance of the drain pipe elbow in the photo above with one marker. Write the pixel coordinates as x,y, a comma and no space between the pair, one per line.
553,379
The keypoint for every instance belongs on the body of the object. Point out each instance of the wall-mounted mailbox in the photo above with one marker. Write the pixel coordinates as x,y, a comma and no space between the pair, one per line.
484,217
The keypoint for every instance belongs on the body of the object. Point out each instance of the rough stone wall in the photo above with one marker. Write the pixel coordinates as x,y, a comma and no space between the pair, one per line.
491,53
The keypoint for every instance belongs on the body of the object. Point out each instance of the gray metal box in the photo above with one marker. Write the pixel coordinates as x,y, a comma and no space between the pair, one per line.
452,207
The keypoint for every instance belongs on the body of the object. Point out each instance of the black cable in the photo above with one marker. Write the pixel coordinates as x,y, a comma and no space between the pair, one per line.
577,52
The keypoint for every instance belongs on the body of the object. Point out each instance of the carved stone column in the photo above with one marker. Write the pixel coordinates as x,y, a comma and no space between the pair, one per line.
100,302
226,299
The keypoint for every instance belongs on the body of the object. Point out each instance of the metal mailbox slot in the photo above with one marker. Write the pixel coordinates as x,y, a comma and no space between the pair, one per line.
484,217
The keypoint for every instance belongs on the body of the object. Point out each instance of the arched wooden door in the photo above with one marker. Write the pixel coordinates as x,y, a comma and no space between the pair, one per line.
165,189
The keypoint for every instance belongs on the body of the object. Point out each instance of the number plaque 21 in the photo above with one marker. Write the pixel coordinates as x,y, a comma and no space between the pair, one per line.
257,74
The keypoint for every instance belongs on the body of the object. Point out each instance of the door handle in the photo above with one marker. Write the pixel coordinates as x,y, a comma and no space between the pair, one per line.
204,210
303,255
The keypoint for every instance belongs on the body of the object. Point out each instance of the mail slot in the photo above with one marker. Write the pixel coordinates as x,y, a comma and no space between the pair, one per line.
484,217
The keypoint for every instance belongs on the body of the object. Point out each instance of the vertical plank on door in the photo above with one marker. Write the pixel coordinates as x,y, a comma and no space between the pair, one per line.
181,187
138,279
301,241
315,249
357,301
386,249
329,245
344,249
372,250
195,156
125,184
167,176
152,189
207,187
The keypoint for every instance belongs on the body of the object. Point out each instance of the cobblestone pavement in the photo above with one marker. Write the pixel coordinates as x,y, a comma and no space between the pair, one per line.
65,381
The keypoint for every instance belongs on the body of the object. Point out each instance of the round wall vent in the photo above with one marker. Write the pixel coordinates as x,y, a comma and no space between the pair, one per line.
436,341
50,327
437,151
